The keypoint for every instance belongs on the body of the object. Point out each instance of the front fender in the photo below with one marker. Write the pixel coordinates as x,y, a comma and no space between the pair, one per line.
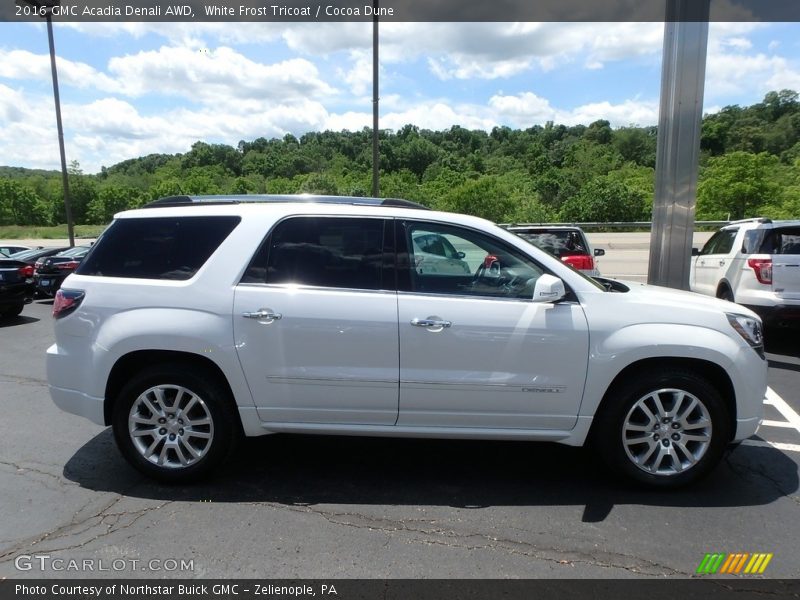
609,355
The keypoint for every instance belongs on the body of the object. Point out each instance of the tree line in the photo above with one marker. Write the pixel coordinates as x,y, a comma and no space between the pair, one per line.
750,166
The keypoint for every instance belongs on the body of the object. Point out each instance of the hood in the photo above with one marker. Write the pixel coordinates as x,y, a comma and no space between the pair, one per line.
659,304
686,296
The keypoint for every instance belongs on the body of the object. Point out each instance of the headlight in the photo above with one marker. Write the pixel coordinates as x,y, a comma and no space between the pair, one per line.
750,329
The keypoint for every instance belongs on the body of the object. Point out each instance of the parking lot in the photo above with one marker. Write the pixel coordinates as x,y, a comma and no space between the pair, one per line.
342,507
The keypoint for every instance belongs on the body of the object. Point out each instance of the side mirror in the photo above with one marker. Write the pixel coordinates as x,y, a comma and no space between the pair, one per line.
695,252
599,252
548,289
460,255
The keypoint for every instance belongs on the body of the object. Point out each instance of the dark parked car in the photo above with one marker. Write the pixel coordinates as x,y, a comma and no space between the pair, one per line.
16,286
51,271
31,256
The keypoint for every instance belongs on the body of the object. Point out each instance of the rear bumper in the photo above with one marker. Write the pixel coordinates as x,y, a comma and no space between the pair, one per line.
64,376
48,284
78,403
16,293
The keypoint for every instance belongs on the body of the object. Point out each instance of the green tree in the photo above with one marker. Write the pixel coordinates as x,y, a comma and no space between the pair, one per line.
110,200
82,192
319,183
604,199
736,185
19,205
484,197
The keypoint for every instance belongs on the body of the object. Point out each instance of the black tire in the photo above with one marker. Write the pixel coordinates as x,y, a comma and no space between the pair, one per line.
215,405
609,429
12,311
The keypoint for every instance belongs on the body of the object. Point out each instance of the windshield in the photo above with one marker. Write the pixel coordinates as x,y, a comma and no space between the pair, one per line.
559,242
76,251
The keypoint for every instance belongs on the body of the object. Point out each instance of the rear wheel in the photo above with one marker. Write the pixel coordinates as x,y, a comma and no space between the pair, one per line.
174,423
665,430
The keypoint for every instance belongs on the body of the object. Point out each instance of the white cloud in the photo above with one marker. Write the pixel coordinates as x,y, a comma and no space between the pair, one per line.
739,43
439,115
214,76
21,64
24,140
524,109
629,112
527,109
359,75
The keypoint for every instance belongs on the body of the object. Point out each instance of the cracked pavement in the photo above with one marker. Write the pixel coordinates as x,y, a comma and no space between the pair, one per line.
325,507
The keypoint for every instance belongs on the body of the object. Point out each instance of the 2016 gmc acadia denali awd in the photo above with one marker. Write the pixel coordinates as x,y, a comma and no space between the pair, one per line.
197,320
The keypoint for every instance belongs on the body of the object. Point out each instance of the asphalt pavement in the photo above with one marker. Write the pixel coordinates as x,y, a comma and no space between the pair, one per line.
330,507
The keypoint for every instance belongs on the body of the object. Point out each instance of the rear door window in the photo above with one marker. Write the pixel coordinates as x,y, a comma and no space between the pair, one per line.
329,252
157,248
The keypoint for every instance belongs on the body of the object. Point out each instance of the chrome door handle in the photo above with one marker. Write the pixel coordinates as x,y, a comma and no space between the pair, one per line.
263,314
431,322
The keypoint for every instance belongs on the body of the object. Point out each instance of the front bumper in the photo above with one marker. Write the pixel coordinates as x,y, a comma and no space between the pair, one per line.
746,428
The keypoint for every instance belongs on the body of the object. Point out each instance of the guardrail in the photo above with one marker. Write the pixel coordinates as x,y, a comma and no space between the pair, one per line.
612,225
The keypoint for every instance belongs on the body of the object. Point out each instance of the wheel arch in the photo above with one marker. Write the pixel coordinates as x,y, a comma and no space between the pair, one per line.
135,361
711,371
724,284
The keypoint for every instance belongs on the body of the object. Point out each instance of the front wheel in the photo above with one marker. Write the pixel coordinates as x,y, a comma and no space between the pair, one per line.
12,311
174,423
664,430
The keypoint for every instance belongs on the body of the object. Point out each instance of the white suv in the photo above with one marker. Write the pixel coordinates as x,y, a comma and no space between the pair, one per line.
756,263
195,321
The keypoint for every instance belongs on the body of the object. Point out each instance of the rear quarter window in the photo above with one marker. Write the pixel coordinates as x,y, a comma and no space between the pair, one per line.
785,240
157,248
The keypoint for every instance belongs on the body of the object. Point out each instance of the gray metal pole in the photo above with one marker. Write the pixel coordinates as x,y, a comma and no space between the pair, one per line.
677,154
64,178
375,154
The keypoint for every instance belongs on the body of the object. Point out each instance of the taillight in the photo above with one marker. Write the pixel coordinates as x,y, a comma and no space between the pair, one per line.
582,262
763,269
66,301
26,271
67,266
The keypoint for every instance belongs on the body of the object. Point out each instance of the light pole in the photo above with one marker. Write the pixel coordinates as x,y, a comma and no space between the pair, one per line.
45,8
375,98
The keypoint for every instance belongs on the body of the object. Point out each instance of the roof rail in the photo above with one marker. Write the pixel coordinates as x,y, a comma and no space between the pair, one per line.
751,220
267,198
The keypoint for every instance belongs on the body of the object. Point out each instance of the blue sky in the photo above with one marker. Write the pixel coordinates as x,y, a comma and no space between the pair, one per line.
130,89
